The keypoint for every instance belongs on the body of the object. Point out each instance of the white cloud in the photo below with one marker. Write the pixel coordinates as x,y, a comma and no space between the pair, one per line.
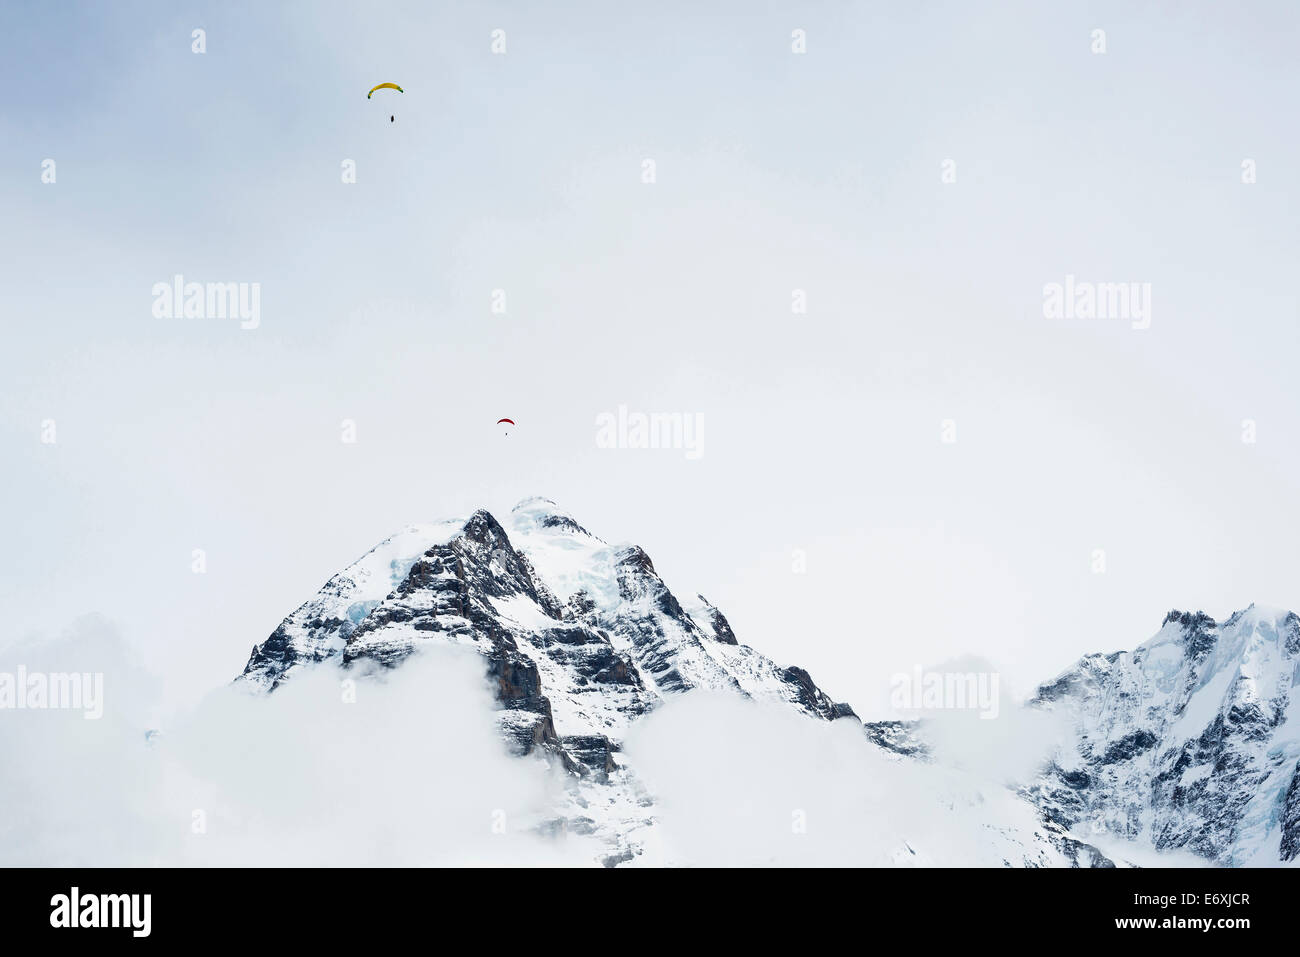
736,780
414,772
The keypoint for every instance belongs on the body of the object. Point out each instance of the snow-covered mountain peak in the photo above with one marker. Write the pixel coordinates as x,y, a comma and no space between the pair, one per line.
576,565
1264,617
537,515
1190,741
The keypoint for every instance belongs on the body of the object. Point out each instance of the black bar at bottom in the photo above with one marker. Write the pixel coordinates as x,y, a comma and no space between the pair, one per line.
632,907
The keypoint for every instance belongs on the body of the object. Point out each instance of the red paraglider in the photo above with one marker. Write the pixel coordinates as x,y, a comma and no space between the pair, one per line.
510,421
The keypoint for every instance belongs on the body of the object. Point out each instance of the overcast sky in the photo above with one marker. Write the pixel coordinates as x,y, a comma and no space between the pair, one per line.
775,171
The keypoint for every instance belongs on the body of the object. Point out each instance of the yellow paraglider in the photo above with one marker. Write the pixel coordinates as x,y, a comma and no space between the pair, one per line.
386,86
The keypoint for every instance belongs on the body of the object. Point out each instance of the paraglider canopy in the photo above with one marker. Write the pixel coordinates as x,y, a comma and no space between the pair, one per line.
511,421
385,86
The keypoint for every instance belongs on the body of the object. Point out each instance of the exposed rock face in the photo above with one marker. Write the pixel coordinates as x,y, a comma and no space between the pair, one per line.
715,622
1192,741
1290,846
900,737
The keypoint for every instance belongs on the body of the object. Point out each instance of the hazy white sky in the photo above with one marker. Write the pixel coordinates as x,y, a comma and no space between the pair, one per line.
775,171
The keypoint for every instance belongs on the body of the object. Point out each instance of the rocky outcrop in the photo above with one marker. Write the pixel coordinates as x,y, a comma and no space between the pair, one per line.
1289,849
